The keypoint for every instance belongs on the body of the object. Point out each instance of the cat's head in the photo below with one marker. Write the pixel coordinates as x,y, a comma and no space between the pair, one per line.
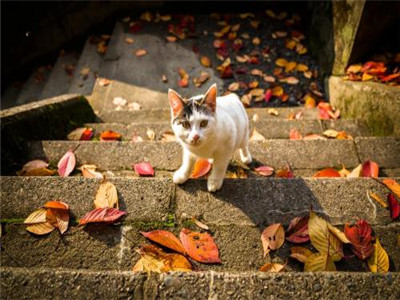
193,120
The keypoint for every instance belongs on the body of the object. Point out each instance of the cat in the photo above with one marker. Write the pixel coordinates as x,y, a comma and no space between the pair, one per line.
209,127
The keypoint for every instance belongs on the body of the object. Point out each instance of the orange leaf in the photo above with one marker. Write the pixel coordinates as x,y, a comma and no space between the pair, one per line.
366,77
272,237
301,68
165,238
82,134
205,61
201,168
140,52
392,185
277,91
272,267
353,69
253,84
109,135
281,62
295,134
370,169
290,66
200,246
328,172
171,38
377,199
58,218
57,205
309,101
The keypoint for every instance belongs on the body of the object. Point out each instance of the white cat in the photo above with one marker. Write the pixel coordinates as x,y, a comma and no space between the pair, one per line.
212,128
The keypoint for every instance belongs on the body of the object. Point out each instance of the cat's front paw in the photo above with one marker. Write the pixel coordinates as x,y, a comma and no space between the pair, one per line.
214,184
180,177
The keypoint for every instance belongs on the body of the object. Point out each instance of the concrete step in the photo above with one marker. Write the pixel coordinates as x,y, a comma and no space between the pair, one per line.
269,128
81,284
91,59
33,87
10,96
299,154
235,220
60,80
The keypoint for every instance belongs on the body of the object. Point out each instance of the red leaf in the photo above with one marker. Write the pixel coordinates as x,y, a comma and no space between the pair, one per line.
201,168
268,95
360,238
102,215
394,206
200,246
165,238
143,169
298,230
87,134
295,134
328,172
264,170
66,164
370,169
226,72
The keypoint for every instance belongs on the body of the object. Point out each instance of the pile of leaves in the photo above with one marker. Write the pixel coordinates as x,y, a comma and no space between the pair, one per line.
194,245
375,71
328,242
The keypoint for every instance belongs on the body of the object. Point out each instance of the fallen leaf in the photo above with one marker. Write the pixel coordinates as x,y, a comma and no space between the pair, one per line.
298,230
205,61
204,76
313,137
291,80
153,259
66,164
102,215
140,52
166,239
40,228
356,172
109,135
143,169
284,173
366,77
370,169
246,100
300,253
89,171
360,238
254,23
272,268
272,237
290,66
200,224
394,206
164,78
281,62
256,118
85,72
151,135
234,86
201,168
377,199
392,185
268,95
330,133
200,246
264,170
319,262
36,217
344,172
134,106
379,260
308,74
301,68
277,91
129,40
256,136
353,69
168,136
119,101
253,84
295,134
106,196
80,134
104,82
31,166
256,41
184,81
171,38
328,172
270,79
56,205
58,218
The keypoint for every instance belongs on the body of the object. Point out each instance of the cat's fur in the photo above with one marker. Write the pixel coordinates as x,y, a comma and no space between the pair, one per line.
227,129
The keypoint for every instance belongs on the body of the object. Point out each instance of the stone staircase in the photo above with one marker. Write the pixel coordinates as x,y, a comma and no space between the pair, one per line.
95,261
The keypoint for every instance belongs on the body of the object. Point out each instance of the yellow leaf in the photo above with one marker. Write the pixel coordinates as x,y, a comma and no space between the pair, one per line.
356,172
38,216
366,77
301,68
40,228
151,135
290,44
344,172
354,69
379,260
277,91
324,238
281,62
40,172
205,61
319,262
273,111
272,268
392,185
300,253
330,133
290,66
377,198
256,136
106,196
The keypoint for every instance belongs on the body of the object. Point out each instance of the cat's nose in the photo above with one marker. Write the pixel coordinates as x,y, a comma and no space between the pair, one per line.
196,137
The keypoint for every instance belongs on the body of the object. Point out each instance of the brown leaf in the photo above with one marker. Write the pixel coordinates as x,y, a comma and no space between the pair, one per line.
104,82
40,228
31,166
200,224
272,237
36,217
204,76
300,253
298,230
272,268
151,135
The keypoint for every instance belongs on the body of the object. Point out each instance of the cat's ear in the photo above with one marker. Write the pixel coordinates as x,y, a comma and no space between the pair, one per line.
210,99
175,101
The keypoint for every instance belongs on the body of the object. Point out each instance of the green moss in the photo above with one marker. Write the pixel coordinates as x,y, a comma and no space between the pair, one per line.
153,225
12,221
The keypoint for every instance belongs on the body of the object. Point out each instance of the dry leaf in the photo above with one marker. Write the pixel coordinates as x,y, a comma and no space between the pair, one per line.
319,262
392,185
281,62
143,169
166,239
171,38
295,134
102,215
36,217
201,168
290,66
200,224
356,172
277,91
85,72
264,170
377,198
370,169
360,239
66,164
106,196
80,134
272,268
394,206
140,52
328,172
40,228
104,82
256,136
205,61
298,230
272,237
204,76
109,135
129,40
300,253
273,111
151,135
168,136
379,260
89,171
234,86
200,246
32,166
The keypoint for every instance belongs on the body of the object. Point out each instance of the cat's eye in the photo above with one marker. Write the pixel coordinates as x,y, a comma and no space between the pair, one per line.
186,124
204,123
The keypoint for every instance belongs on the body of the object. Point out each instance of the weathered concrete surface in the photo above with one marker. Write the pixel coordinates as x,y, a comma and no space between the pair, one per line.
384,151
157,115
269,128
146,199
265,201
32,88
52,118
24,283
314,154
354,127
377,104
